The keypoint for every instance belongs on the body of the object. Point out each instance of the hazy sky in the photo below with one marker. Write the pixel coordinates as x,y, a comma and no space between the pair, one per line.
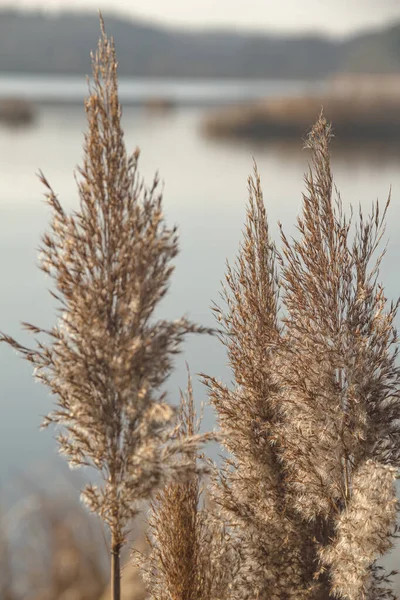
333,16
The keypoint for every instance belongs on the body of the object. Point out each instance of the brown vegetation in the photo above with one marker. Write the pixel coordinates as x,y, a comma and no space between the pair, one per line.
159,105
51,549
357,117
311,424
191,553
305,502
16,111
107,357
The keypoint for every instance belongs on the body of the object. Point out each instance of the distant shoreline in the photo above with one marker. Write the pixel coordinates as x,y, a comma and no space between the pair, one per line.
360,108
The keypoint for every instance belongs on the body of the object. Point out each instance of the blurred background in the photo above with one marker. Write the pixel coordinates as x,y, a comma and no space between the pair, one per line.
206,86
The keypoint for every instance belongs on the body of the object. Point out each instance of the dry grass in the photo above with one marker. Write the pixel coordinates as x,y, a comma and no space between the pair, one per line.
107,358
132,584
305,503
312,424
191,553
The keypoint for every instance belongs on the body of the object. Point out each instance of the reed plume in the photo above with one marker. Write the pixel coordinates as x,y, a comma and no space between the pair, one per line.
340,440
107,358
277,557
312,424
191,555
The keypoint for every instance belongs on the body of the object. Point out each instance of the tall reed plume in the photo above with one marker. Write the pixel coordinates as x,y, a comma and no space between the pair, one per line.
107,358
312,422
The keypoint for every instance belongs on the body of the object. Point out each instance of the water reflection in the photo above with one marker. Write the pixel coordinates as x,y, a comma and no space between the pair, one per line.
350,153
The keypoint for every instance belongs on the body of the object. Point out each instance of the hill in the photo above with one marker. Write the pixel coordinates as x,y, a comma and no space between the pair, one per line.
40,43
373,52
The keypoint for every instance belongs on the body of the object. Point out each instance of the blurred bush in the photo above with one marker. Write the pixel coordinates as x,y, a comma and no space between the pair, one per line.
51,548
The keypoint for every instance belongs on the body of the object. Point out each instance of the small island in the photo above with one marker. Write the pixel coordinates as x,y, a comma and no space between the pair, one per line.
16,111
363,108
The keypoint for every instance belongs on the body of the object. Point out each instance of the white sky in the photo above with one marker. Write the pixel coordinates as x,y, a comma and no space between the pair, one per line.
338,17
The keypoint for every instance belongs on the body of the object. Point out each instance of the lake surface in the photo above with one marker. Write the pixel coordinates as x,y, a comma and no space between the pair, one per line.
205,194
52,89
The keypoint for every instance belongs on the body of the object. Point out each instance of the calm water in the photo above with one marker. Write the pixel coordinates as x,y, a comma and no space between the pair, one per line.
205,193
135,91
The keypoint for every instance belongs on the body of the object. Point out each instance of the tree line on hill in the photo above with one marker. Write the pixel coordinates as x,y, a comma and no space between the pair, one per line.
37,42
